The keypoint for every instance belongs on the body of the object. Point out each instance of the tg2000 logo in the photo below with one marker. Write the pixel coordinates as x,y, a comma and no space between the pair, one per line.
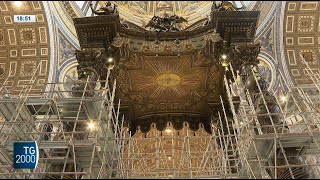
26,155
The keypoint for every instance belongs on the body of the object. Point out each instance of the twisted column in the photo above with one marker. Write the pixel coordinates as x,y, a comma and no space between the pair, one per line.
244,59
92,63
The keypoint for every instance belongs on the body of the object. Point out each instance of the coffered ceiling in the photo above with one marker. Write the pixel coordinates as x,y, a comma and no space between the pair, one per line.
24,47
302,37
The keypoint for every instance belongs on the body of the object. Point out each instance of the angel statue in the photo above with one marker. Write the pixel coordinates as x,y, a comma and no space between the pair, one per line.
166,23
108,9
155,23
174,21
225,6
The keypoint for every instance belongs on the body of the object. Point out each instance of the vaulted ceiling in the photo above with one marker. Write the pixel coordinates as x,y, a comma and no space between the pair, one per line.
24,47
302,38
140,12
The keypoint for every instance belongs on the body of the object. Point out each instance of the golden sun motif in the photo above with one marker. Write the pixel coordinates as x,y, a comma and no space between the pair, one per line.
168,80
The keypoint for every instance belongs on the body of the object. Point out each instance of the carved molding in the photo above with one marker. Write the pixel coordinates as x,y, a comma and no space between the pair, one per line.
177,120
166,47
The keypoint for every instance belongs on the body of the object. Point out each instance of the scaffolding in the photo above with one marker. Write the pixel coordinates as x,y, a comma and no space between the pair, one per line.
83,136
72,133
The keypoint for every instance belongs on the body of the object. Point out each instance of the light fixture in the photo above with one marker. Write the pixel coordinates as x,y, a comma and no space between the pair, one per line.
18,3
110,60
168,130
224,62
283,98
91,125
1,119
169,158
224,56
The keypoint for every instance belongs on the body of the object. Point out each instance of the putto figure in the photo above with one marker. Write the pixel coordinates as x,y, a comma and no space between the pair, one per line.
107,9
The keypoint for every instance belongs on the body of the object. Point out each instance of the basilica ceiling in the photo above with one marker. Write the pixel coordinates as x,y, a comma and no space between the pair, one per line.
140,12
170,83
286,30
24,47
301,38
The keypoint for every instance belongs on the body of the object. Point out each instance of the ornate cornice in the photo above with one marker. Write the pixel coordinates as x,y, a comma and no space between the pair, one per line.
236,26
168,47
